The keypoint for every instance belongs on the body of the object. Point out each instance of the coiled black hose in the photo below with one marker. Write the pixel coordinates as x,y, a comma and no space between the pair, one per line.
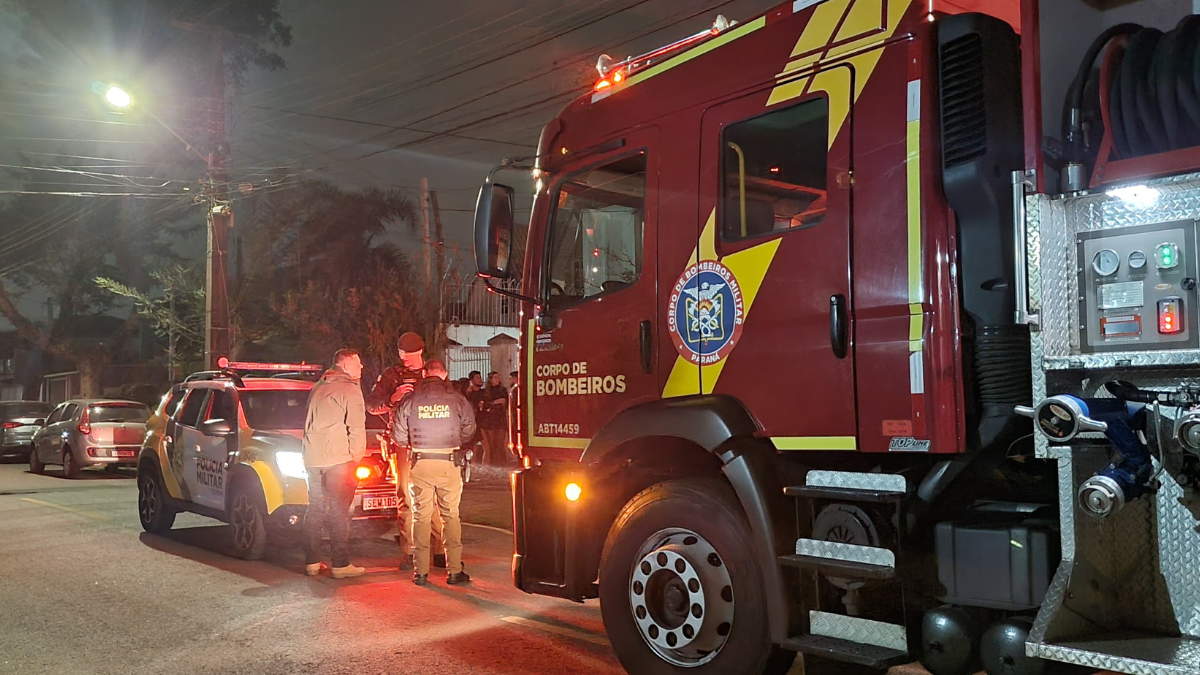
1154,93
1002,371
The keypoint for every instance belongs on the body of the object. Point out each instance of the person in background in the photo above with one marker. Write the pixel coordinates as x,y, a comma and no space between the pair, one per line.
335,439
474,396
514,424
435,421
493,421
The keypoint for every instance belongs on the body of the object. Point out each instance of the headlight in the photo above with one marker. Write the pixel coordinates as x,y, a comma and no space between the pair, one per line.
291,464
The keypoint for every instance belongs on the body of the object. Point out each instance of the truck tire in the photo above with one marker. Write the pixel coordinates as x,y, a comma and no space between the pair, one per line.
680,589
247,521
155,514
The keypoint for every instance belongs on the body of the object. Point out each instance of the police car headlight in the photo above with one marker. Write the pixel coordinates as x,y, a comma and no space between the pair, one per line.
291,464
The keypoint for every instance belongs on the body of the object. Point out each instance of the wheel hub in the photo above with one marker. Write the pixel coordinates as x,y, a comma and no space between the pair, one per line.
681,596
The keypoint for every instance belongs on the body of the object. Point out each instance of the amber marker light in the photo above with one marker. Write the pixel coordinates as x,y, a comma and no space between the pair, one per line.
574,492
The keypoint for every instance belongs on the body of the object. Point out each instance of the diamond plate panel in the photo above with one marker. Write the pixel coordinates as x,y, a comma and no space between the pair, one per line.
862,631
848,480
1153,656
870,555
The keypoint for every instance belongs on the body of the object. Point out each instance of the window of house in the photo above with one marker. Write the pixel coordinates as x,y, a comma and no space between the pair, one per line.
774,171
595,238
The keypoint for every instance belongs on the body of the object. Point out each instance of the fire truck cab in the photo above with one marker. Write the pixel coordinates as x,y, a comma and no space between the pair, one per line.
792,289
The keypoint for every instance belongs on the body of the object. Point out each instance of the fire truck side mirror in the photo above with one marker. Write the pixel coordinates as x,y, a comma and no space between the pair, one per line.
493,230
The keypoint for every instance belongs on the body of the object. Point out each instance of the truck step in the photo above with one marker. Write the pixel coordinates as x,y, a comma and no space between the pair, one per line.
838,569
845,651
843,494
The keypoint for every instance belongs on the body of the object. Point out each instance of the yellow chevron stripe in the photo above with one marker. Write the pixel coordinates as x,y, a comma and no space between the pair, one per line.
815,442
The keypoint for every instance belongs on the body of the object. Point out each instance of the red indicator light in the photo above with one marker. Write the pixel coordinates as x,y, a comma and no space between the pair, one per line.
595,253
1170,320
363,472
11,425
774,169
223,362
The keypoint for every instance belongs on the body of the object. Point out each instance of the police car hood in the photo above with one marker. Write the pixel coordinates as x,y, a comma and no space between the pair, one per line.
280,438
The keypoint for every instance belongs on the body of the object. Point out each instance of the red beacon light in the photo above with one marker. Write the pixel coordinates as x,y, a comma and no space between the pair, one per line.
226,364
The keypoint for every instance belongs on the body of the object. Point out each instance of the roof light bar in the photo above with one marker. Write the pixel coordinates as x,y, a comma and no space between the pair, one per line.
225,364
606,65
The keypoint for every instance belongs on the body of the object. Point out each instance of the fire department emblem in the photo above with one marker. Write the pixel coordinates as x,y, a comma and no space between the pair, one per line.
706,312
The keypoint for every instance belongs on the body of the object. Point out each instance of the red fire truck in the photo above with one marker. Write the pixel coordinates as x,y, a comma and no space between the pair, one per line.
791,290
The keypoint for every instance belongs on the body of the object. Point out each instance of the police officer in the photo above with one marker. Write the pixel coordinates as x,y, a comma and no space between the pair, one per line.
394,384
435,420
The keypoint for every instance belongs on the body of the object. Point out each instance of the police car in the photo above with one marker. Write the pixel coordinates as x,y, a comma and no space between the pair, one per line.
227,444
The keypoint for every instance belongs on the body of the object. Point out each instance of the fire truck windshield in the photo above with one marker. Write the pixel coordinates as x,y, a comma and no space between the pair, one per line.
595,239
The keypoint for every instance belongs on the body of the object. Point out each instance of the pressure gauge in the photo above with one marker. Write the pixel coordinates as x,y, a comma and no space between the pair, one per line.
1106,262
1166,256
1137,260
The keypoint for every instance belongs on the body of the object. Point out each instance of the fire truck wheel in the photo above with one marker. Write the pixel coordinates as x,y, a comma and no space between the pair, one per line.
154,513
248,521
679,588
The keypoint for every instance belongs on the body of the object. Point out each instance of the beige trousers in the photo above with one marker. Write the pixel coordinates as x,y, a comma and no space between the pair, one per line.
437,482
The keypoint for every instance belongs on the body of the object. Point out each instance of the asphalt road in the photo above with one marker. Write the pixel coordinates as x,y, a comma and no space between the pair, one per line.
87,591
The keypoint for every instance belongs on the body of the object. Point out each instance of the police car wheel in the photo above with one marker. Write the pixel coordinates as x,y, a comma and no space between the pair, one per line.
154,513
679,588
247,523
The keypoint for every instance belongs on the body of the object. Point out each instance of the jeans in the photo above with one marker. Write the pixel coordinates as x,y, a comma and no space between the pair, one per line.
330,494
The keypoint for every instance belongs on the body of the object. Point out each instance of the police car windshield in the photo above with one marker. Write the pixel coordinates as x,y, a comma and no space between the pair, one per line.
275,410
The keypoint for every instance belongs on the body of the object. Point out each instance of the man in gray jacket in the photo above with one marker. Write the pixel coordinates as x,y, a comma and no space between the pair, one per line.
335,439
435,420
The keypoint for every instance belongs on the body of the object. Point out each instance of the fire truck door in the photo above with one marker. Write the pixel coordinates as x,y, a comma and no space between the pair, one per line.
593,350
774,262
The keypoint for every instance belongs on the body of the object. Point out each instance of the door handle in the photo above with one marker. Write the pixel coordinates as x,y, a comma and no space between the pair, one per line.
647,346
837,325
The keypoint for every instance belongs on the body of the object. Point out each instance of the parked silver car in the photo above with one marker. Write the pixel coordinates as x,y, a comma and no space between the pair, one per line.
19,420
90,432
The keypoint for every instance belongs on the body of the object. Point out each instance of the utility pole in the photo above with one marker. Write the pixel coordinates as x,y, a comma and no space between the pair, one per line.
426,246
439,329
216,304
220,213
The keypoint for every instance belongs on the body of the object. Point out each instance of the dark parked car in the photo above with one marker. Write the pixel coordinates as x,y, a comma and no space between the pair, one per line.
18,422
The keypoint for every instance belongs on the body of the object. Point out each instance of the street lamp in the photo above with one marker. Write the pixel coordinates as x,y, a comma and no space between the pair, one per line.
118,97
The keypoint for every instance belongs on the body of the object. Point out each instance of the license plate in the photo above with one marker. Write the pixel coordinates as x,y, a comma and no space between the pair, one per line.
126,453
374,503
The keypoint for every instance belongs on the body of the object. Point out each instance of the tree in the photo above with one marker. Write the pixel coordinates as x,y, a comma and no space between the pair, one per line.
107,222
320,272
177,314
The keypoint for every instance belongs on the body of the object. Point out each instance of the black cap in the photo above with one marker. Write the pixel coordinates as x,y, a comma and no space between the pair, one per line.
410,342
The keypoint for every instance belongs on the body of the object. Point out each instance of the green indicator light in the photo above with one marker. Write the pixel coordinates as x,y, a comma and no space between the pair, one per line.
1167,255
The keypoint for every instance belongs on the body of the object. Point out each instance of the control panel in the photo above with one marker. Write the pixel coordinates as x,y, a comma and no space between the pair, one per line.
1137,287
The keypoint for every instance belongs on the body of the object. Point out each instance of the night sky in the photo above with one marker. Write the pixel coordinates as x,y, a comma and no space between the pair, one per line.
376,93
